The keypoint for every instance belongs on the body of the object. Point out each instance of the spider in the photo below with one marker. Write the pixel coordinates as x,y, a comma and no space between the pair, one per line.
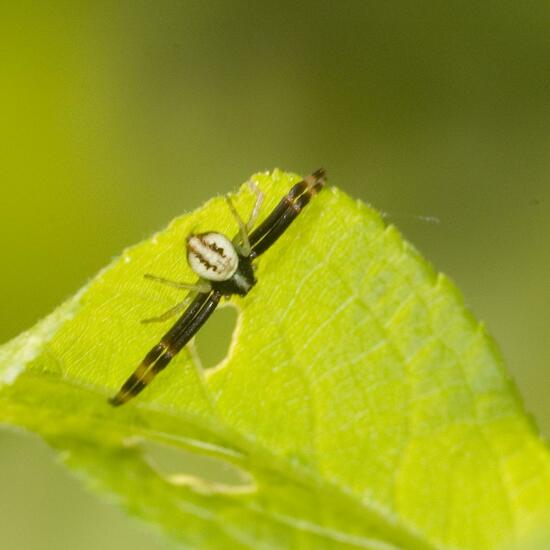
224,268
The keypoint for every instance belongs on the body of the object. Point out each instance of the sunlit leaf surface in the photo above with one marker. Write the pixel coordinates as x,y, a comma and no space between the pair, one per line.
359,406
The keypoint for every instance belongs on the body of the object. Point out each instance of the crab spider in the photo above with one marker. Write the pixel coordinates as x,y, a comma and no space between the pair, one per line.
224,268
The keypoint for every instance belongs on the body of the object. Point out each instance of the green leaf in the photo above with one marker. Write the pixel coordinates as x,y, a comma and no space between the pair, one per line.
360,404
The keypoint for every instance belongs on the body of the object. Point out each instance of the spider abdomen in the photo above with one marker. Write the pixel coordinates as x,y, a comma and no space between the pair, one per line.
212,256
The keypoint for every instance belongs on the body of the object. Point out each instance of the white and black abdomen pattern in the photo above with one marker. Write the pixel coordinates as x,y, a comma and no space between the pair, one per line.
212,256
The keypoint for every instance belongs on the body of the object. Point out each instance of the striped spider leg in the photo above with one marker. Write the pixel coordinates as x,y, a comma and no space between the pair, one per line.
224,268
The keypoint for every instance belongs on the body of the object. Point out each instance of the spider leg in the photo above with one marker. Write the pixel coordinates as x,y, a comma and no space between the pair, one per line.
244,228
257,206
243,232
201,286
168,314
170,344
285,212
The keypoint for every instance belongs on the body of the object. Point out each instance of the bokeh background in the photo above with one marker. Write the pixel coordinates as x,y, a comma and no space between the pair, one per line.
117,116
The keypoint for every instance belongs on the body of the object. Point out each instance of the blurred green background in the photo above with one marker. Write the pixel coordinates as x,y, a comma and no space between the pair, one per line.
118,116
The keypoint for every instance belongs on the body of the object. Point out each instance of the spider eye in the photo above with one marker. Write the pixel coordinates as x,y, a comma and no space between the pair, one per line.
212,256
